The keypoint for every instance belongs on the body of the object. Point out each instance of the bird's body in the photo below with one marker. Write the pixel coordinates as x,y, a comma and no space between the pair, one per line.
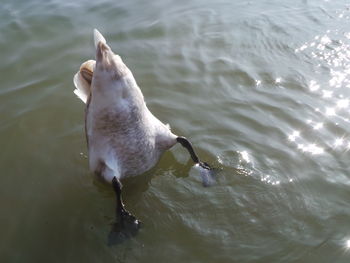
127,141
124,137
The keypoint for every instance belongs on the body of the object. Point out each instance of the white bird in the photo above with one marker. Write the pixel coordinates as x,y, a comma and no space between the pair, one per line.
124,138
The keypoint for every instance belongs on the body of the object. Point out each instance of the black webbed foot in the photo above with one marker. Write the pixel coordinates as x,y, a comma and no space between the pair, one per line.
126,227
127,220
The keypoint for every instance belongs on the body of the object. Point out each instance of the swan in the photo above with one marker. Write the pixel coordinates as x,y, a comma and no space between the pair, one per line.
123,137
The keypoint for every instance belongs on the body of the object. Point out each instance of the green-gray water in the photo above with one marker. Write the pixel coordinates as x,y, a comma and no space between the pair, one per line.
260,87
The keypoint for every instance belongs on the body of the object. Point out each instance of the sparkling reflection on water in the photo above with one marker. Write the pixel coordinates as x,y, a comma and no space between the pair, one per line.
330,51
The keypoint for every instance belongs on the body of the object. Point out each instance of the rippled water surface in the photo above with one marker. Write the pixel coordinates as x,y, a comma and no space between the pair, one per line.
262,89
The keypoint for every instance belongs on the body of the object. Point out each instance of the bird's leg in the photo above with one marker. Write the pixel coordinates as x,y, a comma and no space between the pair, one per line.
126,225
186,144
123,216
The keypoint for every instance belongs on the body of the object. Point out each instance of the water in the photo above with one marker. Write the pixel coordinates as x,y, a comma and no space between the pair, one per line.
260,87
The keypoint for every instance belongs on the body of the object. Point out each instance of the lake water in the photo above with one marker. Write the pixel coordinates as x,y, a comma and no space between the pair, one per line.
261,88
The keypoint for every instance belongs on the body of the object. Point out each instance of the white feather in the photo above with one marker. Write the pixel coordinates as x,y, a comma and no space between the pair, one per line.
82,91
83,88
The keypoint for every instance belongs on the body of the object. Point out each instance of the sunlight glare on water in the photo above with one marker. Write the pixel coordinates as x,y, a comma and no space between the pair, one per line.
347,244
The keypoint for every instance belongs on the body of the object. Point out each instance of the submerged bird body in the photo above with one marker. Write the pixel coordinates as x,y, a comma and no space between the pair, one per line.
124,137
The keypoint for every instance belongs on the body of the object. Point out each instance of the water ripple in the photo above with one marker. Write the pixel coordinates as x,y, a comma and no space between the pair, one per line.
262,91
